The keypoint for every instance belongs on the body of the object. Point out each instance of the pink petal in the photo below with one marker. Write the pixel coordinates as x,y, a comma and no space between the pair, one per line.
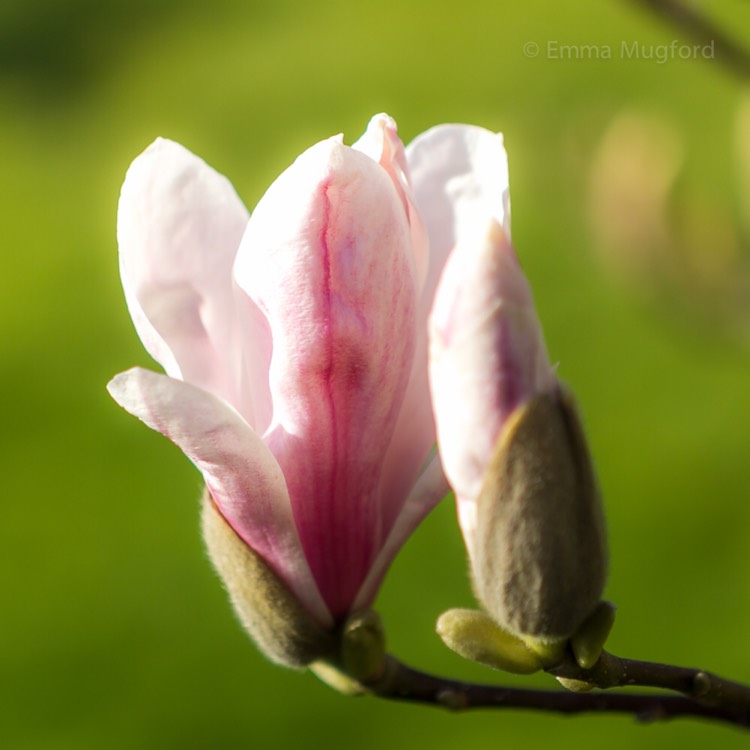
459,174
414,435
456,172
427,492
487,354
242,475
254,398
327,258
179,226
381,143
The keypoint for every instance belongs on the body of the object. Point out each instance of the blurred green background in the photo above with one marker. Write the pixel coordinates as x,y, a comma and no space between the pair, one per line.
631,195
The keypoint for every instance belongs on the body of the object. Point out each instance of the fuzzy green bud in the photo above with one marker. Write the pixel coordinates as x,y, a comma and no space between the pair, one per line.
362,646
360,659
540,555
280,626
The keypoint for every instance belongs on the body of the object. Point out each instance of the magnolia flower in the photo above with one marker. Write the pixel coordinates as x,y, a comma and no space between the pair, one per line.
295,346
511,444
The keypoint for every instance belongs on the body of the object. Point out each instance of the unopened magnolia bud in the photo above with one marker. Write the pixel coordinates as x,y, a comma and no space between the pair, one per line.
276,621
476,636
540,551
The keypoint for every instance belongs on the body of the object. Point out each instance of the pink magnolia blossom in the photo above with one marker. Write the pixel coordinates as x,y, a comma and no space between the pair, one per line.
295,341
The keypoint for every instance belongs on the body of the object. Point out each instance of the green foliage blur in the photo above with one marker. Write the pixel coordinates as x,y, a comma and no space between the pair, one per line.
631,195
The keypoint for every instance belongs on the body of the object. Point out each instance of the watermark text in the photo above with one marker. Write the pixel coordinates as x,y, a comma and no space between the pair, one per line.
554,49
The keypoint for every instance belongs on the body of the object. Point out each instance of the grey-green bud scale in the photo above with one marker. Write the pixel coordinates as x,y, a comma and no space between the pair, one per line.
540,556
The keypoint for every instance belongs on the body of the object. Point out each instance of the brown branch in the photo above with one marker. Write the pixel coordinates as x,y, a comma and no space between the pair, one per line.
694,23
697,684
710,698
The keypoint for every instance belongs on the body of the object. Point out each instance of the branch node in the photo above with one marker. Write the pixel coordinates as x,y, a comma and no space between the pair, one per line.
454,700
702,684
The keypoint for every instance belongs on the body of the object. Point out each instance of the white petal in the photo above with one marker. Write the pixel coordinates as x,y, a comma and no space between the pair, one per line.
179,227
240,472
459,174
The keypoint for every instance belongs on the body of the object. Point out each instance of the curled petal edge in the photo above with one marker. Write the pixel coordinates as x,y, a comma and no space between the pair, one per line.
240,472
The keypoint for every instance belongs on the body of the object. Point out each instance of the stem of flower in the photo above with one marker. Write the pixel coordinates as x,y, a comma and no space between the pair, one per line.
707,688
705,695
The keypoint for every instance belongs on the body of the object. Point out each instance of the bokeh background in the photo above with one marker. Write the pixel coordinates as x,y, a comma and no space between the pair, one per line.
631,195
